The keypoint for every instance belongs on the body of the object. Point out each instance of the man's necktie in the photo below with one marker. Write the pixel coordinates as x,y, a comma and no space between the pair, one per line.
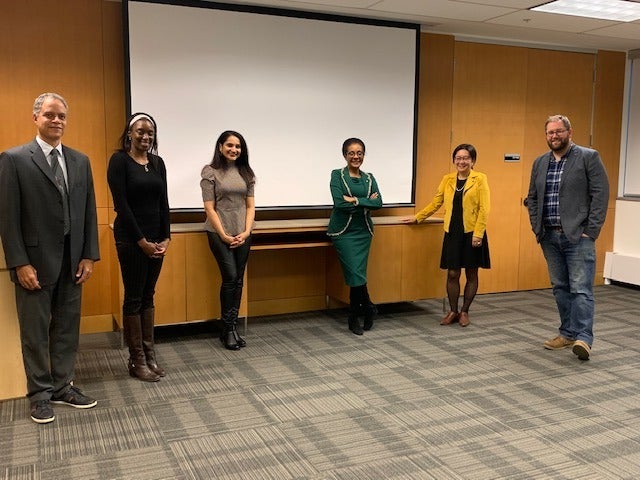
62,186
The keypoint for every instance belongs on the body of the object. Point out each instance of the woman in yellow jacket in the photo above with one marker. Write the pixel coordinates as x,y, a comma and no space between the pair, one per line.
465,196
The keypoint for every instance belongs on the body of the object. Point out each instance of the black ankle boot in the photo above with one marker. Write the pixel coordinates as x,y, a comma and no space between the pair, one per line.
239,340
228,339
370,311
354,324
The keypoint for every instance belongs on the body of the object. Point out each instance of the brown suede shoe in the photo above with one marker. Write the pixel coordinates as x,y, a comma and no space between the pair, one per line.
581,349
558,343
452,317
464,319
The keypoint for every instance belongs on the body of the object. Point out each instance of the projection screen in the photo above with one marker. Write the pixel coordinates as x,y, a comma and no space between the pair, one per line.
294,86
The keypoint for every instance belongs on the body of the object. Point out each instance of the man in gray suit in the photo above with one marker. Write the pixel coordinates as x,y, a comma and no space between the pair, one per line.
49,233
567,203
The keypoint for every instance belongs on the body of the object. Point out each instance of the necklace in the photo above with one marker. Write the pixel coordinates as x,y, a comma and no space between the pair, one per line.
145,165
462,187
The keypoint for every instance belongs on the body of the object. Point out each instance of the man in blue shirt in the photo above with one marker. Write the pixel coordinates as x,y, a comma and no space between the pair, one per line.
567,203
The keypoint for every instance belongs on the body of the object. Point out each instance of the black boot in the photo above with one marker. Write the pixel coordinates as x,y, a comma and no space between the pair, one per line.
148,343
137,360
354,300
354,323
227,337
369,311
239,340
367,307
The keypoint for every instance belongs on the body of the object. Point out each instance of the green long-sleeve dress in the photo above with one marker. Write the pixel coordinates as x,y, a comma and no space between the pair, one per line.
350,226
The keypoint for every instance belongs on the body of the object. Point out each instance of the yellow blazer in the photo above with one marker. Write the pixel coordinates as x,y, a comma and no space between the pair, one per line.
475,202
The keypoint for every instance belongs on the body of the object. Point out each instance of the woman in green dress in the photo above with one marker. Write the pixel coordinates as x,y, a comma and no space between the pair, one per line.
355,193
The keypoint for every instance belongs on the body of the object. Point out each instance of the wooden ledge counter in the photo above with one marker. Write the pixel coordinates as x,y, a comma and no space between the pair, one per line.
13,383
292,268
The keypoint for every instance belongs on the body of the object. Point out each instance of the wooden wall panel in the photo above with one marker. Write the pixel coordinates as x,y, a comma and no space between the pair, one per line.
114,83
66,57
13,382
291,279
434,114
488,111
384,271
95,301
421,251
568,91
202,279
171,290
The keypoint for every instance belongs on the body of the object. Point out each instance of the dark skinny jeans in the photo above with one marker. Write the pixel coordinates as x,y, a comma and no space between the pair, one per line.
139,276
232,263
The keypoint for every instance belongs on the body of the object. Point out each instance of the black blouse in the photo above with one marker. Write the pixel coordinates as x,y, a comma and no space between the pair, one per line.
139,198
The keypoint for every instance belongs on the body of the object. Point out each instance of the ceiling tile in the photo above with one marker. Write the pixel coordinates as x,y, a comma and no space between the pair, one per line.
548,21
441,8
622,30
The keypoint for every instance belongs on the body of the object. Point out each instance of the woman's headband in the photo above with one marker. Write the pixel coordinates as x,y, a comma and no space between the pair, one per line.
141,116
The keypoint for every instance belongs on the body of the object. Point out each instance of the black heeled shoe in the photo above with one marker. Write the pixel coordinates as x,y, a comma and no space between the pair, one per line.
370,311
228,339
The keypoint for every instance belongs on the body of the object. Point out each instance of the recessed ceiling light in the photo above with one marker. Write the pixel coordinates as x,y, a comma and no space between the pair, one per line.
619,10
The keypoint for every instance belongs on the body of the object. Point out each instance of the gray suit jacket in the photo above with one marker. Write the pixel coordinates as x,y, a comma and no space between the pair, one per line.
31,212
584,194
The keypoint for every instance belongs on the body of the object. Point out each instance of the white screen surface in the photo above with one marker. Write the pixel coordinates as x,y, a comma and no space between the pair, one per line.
295,88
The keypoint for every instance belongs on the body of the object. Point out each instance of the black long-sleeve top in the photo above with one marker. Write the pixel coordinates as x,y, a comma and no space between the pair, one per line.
139,198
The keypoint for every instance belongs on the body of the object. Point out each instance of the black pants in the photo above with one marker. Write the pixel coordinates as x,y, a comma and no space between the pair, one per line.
232,263
49,330
139,276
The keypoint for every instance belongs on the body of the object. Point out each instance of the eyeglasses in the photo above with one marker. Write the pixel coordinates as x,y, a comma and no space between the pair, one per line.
355,154
557,132
462,159
52,116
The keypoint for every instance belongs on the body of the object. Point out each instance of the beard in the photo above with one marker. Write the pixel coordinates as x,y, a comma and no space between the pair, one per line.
558,145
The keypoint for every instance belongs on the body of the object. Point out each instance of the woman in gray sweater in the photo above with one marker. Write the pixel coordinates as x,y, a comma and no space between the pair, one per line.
227,192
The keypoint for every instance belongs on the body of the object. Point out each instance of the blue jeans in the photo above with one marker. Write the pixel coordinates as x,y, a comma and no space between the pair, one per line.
572,267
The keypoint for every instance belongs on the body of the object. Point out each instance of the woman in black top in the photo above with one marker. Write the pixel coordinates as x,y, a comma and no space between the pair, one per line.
138,181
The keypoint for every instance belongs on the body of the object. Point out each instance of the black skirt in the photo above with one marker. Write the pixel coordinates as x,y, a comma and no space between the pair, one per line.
457,250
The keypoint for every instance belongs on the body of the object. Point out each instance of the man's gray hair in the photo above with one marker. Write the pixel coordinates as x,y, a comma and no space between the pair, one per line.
37,105
558,118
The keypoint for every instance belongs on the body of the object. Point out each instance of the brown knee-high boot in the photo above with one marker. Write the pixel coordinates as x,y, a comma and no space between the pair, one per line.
137,360
147,341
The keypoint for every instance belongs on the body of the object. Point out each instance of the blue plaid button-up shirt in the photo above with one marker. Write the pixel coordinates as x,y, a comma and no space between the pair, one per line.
551,210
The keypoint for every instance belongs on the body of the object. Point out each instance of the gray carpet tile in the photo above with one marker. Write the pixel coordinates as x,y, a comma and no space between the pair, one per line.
77,433
197,417
150,463
259,454
306,399
349,438
398,468
511,455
